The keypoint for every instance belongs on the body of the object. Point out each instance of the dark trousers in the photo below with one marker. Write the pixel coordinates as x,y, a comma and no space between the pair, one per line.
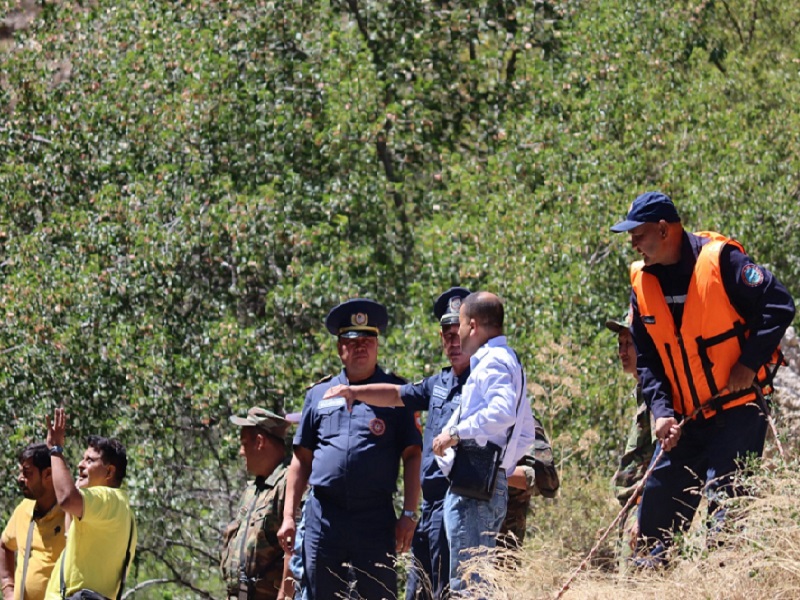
431,555
343,546
704,461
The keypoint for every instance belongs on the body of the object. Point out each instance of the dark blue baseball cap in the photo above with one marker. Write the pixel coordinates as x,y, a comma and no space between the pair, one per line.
448,305
358,317
650,207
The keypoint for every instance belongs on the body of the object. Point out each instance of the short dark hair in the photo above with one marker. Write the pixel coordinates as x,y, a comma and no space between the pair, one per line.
38,454
486,309
112,452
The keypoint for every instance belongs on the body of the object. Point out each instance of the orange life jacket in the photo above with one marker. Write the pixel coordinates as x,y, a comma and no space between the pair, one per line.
698,358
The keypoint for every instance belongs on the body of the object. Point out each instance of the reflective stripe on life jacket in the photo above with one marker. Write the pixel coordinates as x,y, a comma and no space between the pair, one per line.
698,358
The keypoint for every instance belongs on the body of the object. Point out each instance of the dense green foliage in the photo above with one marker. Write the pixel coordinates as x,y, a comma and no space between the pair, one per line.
188,187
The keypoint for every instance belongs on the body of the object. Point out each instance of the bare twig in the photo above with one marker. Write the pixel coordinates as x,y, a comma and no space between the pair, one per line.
145,584
28,136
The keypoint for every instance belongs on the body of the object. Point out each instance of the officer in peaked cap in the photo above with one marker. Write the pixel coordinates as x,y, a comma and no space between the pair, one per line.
351,459
439,394
253,562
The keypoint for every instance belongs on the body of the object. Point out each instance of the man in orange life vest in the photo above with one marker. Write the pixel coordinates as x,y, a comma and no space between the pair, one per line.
707,322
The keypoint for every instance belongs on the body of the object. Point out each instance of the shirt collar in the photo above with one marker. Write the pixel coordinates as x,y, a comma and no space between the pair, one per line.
495,342
267,483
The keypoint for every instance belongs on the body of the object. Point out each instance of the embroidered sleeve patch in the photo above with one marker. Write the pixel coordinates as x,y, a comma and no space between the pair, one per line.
752,275
377,426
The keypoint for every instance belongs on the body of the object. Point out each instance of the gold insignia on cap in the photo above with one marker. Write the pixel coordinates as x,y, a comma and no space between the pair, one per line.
359,319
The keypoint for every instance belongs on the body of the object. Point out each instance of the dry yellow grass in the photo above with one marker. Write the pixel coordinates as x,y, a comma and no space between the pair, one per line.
758,557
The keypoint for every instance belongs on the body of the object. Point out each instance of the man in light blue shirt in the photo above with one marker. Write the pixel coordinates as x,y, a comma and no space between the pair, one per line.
493,402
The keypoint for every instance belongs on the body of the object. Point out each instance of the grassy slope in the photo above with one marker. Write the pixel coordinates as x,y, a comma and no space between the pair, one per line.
183,138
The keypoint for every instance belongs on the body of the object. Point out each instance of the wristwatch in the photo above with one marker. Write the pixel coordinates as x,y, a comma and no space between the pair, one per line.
453,433
56,450
411,515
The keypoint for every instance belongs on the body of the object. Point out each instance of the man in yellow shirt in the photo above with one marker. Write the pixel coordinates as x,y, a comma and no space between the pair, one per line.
34,536
102,535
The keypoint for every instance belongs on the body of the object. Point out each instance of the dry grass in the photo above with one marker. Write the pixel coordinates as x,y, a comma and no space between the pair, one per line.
758,558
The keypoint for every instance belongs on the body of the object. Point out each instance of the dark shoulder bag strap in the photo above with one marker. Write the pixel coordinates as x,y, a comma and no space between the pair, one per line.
519,403
26,559
516,412
126,562
61,573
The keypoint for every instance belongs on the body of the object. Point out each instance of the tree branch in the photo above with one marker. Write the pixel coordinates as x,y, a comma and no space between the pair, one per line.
734,21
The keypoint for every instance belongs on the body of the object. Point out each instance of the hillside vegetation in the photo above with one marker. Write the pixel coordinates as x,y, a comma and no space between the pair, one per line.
188,186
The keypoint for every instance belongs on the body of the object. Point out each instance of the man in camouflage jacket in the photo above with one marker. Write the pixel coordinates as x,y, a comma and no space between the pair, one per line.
535,475
253,564
639,447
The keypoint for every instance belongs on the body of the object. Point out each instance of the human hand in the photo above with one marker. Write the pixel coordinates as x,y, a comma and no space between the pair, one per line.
57,429
741,378
442,442
341,391
286,535
633,535
667,432
404,534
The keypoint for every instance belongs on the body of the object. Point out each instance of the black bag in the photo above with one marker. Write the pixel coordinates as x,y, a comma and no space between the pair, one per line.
544,468
86,595
474,471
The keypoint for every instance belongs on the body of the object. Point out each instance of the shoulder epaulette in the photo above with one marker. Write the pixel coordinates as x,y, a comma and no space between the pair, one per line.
323,380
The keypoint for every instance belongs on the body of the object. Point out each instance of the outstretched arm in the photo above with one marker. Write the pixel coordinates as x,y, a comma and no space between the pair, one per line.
67,495
374,394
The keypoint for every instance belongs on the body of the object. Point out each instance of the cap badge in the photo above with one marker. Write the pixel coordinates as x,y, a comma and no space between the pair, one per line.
454,304
359,319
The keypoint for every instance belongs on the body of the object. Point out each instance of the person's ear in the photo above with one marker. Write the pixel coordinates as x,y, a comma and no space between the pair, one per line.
46,474
111,472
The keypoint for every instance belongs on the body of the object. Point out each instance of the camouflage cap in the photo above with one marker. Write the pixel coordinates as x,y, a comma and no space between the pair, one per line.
263,419
624,323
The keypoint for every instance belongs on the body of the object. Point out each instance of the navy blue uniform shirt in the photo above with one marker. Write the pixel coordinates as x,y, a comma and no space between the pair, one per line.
439,394
356,454
767,309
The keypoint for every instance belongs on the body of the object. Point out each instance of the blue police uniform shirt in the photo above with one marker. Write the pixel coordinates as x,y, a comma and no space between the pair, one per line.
766,306
440,395
356,455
